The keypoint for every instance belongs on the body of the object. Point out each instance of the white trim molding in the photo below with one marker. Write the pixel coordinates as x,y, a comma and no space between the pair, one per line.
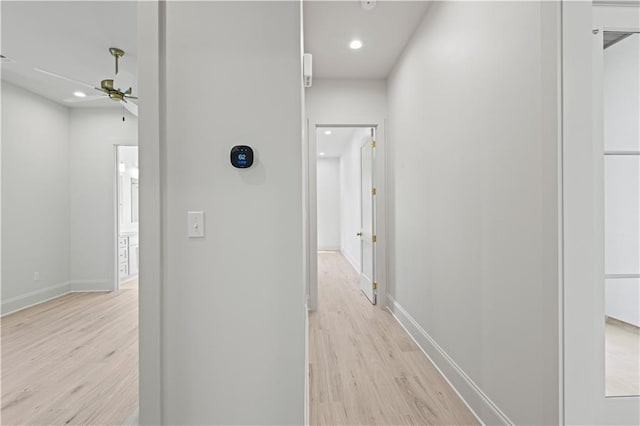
485,410
36,297
350,260
32,298
616,3
86,286
151,158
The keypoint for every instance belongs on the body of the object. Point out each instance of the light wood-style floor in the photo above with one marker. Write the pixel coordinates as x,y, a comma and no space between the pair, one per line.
622,358
72,360
364,368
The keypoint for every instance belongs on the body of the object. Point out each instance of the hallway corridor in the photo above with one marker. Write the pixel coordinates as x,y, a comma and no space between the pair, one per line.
364,368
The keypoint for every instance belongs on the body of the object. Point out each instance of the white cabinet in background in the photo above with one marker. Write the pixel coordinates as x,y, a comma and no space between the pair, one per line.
133,254
127,256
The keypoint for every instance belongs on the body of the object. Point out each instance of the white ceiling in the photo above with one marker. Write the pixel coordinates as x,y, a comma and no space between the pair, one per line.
333,145
72,39
329,26
69,38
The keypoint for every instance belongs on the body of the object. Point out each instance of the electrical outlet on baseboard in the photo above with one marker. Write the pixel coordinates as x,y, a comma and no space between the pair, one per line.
36,276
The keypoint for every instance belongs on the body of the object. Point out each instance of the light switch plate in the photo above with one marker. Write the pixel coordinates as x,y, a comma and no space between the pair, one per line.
195,222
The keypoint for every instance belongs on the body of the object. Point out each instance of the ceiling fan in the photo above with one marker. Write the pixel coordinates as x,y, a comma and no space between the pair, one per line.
117,88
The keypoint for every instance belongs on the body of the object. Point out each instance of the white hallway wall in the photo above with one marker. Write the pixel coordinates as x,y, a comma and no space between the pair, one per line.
233,336
473,134
346,101
329,203
35,198
94,134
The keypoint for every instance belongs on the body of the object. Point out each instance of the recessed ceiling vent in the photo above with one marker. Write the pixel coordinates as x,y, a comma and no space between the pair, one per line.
368,4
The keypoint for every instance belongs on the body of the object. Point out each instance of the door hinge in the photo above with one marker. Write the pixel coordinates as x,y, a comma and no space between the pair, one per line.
374,239
374,191
375,286
373,144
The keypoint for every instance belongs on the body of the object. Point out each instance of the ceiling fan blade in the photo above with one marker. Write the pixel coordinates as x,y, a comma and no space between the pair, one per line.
71,80
131,107
86,98
130,97
123,81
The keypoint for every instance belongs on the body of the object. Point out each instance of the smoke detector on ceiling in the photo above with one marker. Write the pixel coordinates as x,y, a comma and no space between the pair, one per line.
368,4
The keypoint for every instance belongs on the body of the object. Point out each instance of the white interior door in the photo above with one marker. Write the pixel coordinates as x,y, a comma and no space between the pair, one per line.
367,232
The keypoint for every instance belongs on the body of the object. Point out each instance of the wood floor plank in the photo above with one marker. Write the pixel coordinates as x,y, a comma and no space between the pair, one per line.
622,343
364,368
72,360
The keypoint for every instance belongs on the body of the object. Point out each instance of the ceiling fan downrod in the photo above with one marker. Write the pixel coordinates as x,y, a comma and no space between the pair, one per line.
107,85
116,53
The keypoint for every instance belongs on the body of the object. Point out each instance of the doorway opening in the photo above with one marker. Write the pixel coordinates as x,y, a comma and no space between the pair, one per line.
70,320
127,214
346,204
346,200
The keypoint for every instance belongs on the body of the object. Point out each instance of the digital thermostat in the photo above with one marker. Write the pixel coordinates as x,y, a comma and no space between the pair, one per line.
241,156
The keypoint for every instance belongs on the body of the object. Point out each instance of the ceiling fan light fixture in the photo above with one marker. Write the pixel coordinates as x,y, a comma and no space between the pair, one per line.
107,84
116,96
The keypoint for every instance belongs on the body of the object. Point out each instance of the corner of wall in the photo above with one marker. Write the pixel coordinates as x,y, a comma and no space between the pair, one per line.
27,300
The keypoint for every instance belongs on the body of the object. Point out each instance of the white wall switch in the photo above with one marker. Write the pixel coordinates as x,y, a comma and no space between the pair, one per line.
195,222
36,276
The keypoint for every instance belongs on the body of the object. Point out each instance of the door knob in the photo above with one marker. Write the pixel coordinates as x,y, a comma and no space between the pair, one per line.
359,234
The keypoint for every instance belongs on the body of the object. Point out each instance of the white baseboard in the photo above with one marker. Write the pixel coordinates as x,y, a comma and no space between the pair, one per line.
332,248
86,286
128,279
478,402
351,261
33,298
37,297
133,419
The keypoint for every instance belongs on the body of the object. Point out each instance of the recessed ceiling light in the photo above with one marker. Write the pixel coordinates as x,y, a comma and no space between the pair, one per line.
355,44
79,94
322,153
327,132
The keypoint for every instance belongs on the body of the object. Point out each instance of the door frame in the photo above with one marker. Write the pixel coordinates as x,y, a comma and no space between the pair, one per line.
311,216
582,147
151,155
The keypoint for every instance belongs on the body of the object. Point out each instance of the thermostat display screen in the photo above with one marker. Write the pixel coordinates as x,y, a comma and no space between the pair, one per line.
241,156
